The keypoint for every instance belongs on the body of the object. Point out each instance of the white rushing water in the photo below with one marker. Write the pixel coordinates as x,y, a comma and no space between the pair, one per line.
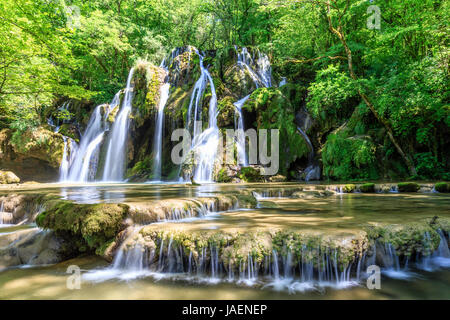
239,126
64,167
116,154
204,144
157,142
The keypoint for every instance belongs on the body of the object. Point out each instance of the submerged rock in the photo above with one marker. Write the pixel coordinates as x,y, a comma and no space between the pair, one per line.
34,247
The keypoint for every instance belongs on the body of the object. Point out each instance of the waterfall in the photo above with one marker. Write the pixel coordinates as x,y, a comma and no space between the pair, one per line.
64,167
204,144
81,156
157,143
260,72
116,154
312,171
282,82
240,143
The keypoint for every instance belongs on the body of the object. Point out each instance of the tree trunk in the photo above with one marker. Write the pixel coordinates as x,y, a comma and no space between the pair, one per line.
339,32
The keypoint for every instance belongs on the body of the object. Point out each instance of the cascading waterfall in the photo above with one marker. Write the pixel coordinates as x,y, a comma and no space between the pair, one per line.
157,143
116,153
240,142
204,144
64,167
78,171
260,72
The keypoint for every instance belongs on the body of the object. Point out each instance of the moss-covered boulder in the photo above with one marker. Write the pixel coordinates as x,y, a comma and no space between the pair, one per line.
349,188
273,110
226,112
442,187
8,177
250,174
89,226
34,154
408,187
367,187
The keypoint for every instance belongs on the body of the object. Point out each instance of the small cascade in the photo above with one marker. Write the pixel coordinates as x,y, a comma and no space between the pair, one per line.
240,143
282,82
260,70
116,153
204,144
157,149
64,167
437,259
312,171
392,266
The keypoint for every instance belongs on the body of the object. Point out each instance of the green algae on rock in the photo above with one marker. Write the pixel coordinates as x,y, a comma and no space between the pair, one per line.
408,187
88,225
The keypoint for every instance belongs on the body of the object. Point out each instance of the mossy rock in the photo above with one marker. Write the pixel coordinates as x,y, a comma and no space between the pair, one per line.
226,109
408,187
222,176
90,226
8,177
250,174
367,187
442,187
349,188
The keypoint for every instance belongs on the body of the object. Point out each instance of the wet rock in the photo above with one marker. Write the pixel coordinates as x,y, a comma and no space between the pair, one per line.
34,247
32,155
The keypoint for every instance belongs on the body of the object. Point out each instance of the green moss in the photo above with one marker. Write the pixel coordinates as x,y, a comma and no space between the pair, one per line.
367,187
442,187
408,187
222,176
407,239
348,188
90,225
249,174
273,110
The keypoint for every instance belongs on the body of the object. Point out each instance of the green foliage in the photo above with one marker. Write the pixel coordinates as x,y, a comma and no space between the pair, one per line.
222,176
348,158
144,167
428,166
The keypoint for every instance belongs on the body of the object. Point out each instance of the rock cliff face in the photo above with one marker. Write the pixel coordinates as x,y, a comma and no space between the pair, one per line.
32,155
